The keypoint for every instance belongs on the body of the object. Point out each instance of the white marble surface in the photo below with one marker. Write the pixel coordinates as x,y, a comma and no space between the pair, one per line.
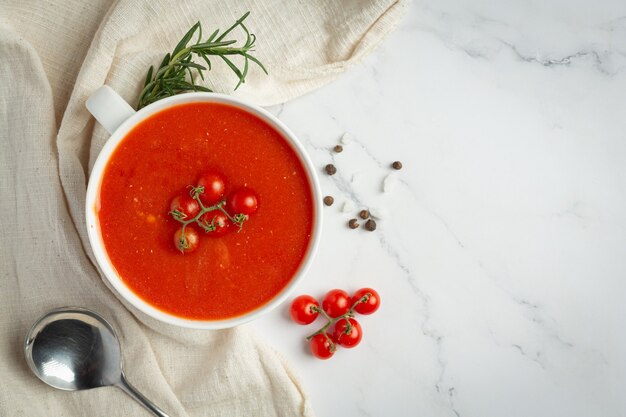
502,263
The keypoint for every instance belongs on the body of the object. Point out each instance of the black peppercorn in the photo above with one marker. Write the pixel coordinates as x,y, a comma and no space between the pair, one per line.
329,200
338,148
397,165
353,224
364,214
370,225
330,169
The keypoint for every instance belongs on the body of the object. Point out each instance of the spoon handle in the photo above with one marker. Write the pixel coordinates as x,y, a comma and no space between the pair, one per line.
132,391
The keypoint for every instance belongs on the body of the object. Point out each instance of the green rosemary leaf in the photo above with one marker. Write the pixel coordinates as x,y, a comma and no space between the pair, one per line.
166,61
148,76
181,84
199,72
252,38
256,61
192,65
213,35
232,67
205,45
146,90
243,73
191,73
237,23
185,40
199,32
249,39
203,56
203,88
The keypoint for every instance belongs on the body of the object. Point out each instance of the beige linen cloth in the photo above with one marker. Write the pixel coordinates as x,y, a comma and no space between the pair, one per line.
53,55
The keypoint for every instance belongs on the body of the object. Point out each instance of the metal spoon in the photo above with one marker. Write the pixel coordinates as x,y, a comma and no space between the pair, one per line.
75,349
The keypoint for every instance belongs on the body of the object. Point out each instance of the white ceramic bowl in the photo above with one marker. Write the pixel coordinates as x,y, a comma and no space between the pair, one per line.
119,118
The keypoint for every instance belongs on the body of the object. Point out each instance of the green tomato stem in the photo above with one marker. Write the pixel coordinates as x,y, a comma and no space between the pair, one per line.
330,321
195,193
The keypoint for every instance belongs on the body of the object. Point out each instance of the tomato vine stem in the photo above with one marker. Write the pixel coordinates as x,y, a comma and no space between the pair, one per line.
179,216
330,321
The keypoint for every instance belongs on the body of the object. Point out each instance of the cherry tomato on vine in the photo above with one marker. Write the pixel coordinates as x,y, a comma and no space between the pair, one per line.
336,303
244,200
301,310
214,187
346,335
186,205
369,306
218,219
191,241
322,347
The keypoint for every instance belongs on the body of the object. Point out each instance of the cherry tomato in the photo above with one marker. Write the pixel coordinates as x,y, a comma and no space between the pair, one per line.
301,309
346,335
191,241
243,200
221,222
186,205
369,306
322,347
336,302
214,187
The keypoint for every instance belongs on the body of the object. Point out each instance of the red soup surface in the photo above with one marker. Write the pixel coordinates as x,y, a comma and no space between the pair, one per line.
226,276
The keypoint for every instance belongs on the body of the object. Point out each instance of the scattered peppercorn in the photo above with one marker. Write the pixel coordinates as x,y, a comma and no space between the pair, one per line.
330,169
364,214
397,165
329,200
370,225
353,224
338,148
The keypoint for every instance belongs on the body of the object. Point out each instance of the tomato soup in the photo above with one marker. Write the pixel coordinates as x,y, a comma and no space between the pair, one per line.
226,276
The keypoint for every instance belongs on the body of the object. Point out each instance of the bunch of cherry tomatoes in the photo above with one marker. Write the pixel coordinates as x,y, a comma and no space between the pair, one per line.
207,200
341,329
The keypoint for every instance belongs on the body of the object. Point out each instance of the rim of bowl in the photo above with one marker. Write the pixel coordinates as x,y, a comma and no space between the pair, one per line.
93,194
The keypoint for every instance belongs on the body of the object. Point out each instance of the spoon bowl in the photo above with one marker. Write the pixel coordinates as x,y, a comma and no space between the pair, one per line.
75,349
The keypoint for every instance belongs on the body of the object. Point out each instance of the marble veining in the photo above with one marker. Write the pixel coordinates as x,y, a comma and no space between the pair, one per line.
502,252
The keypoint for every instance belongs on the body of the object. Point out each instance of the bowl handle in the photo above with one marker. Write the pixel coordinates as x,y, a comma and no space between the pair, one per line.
109,109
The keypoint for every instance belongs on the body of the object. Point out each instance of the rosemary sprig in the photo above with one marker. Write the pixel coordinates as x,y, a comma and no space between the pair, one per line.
175,75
